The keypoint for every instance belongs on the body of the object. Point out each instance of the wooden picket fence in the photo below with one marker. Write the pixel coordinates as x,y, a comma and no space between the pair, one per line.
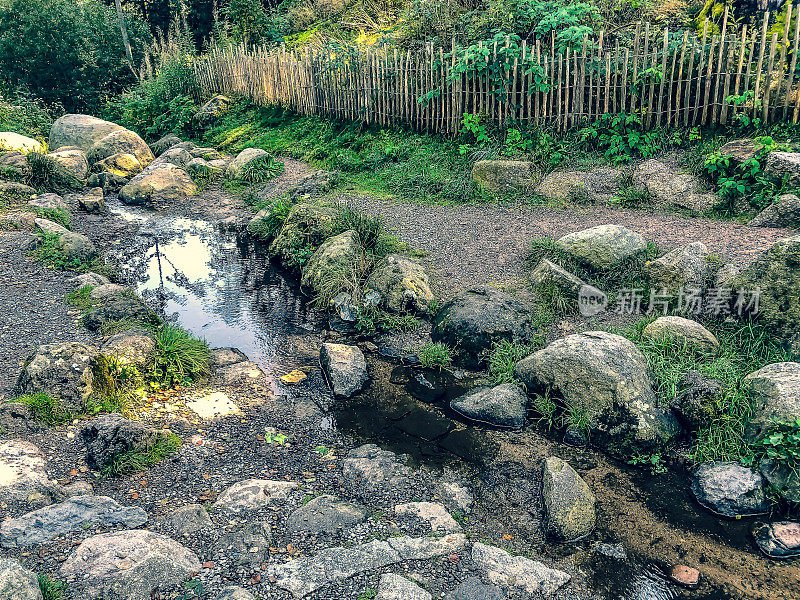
667,78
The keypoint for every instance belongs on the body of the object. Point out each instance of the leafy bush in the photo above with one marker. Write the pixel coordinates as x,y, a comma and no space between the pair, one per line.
621,137
179,358
434,355
66,52
27,116
45,408
782,444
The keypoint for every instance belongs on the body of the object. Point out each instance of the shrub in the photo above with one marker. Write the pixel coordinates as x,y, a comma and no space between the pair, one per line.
51,589
434,355
27,115
179,359
46,173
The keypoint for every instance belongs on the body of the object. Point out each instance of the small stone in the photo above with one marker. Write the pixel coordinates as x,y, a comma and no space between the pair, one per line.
504,405
685,576
345,368
325,514
779,540
517,572
729,489
569,503
473,589
251,494
189,519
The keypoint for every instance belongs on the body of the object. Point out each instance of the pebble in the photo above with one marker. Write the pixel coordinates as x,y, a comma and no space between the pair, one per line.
685,576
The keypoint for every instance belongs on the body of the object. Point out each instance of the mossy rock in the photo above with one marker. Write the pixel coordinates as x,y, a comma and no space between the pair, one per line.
337,257
402,284
775,276
305,229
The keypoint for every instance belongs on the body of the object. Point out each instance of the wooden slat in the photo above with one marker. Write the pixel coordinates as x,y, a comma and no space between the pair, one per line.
793,66
768,81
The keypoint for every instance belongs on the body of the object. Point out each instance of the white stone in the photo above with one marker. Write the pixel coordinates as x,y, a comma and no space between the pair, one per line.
211,405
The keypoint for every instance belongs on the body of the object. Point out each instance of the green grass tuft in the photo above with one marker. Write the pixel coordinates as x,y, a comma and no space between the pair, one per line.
261,169
45,408
503,357
82,298
51,589
180,358
134,461
434,355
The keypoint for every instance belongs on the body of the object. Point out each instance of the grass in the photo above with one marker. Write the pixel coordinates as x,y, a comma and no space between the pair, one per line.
82,298
371,321
261,169
744,348
434,355
57,215
50,253
137,460
46,173
179,359
45,408
503,357
51,589
417,167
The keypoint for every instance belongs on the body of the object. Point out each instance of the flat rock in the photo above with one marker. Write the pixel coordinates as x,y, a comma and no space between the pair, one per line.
90,278
345,368
686,576
303,576
371,470
569,503
325,514
252,494
127,565
133,346
394,587
683,331
23,475
118,308
189,519
247,544
210,405
45,524
729,489
17,582
517,572
48,202
603,247
547,273
433,513
779,540
223,357
504,405
473,588
239,372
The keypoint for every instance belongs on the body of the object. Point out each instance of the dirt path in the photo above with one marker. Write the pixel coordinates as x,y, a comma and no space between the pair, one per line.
487,244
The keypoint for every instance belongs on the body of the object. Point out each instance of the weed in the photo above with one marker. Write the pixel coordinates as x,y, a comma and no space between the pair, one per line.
57,215
51,589
345,276
654,462
51,252
45,408
179,357
503,357
782,444
115,385
136,460
368,594
368,228
434,355
82,298
261,169
544,406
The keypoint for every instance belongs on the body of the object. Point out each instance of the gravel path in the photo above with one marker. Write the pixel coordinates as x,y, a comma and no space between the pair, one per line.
487,244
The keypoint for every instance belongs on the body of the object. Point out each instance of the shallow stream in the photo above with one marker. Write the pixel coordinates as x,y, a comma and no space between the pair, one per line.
223,288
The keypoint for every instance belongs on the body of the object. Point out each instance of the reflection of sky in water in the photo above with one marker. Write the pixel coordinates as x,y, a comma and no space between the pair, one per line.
218,289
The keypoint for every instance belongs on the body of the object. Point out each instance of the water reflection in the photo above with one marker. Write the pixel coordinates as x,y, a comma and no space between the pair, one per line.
219,287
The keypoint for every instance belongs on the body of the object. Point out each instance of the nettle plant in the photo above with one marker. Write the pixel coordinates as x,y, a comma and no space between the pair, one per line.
746,180
621,136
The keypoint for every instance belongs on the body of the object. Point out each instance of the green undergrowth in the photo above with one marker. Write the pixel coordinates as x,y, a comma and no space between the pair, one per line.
45,408
180,358
50,253
137,460
434,355
411,166
57,215
744,348
52,589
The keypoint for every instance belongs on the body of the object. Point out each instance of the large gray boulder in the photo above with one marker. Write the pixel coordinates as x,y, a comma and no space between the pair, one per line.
325,514
568,501
338,256
17,582
81,131
784,212
305,229
110,436
504,176
121,141
603,247
775,393
775,278
73,161
681,331
127,565
597,185
160,182
402,283
475,320
782,165
245,157
729,489
63,371
45,524
603,377
345,368
668,186
504,405
684,266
